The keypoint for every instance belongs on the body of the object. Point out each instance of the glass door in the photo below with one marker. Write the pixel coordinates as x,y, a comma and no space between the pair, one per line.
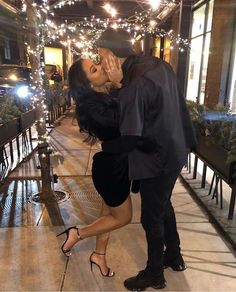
199,53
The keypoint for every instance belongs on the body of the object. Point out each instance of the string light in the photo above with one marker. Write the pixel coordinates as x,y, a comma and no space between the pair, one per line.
83,35
90,29
153,23
154,4
36,28
109,9
63,3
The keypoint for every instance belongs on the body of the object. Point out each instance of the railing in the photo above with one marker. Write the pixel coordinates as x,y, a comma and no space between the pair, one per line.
215,157
16,142
55,113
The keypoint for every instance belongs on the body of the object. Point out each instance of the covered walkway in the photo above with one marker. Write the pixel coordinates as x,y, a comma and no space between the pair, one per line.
31,259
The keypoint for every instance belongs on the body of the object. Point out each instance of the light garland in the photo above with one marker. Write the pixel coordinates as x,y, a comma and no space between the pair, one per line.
155,4
63,3
83,34
109,9
138,25
37,32
91,29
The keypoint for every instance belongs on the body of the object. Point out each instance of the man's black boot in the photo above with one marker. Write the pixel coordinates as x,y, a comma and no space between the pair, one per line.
143,280
177,265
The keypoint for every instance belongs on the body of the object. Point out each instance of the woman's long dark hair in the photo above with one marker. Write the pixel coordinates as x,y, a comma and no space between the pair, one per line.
81,91
79,84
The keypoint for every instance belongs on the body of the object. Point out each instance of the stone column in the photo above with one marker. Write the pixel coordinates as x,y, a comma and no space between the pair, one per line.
185,20
69,55
147,45
44,151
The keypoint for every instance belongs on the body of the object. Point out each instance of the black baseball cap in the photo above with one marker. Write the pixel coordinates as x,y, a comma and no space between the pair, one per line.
116,40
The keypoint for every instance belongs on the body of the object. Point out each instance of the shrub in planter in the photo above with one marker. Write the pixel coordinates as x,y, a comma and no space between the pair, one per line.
216,134
54,94
12,107
27,119
9,130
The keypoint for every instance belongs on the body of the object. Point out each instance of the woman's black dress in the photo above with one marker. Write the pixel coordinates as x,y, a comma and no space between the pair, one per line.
98,114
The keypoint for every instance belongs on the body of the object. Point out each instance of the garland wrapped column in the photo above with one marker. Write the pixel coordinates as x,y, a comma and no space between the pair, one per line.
36,44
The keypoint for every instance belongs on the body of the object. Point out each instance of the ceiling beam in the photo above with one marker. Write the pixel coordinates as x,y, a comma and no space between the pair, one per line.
90,4
54,3
113,1
9,7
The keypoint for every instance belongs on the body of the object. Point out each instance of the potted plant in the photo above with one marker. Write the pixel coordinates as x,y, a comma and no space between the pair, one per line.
216,135
9,120
15,115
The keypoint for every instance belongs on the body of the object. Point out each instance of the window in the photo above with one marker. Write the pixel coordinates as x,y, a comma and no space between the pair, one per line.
200,44
162,48
7,51
232,92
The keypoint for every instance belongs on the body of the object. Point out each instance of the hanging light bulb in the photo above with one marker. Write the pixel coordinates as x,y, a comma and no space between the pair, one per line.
153,23
109,9
154,4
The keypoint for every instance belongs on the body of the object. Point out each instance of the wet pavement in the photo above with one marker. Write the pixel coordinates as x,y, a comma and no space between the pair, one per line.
31,259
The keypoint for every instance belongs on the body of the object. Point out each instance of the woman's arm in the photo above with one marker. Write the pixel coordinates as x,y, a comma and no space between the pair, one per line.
120,144
114,71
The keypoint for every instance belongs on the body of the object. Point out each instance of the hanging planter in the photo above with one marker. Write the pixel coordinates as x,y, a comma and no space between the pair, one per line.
216,157
216,135
9,131
27,119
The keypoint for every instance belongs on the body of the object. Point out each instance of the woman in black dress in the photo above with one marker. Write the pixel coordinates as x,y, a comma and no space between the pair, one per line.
98,116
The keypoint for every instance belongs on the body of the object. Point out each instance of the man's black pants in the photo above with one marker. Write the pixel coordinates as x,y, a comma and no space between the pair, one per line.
158,220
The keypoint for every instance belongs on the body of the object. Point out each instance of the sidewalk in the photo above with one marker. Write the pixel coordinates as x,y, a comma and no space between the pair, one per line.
31,259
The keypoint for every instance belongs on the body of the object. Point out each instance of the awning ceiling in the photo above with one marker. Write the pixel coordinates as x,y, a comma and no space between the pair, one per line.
125,9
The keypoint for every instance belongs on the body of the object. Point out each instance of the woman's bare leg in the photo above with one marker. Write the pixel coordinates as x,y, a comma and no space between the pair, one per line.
102,239
99,257
118,217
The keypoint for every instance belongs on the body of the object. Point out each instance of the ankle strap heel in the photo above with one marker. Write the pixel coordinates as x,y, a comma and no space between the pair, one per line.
109,273
67,252
98,253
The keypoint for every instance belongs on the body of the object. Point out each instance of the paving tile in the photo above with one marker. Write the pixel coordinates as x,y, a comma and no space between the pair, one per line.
27,168
220,215
124,256
31,259
75,163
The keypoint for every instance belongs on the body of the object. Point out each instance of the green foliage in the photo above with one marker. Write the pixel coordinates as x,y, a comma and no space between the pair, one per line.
12,107
54,94
232,152
7,13
196,111
220,130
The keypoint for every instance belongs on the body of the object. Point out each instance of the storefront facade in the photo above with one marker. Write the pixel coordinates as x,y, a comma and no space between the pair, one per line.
199,52
12,47
211,69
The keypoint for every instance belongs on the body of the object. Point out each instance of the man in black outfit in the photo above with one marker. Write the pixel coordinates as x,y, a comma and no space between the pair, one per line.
157,132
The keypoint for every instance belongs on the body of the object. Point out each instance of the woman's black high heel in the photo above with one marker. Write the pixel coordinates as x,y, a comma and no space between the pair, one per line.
108,274
67,231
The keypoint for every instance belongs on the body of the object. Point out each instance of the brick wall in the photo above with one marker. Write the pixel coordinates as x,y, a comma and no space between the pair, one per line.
175,52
